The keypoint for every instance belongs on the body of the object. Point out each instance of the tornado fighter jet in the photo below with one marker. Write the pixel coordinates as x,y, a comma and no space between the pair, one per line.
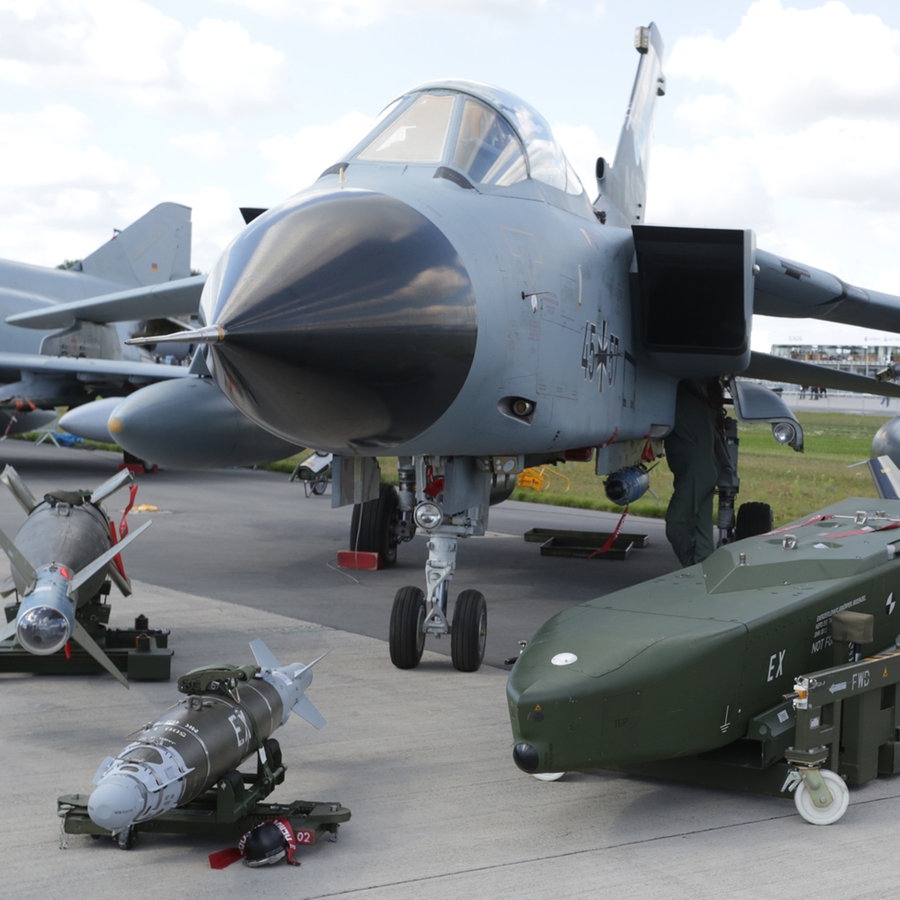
447,294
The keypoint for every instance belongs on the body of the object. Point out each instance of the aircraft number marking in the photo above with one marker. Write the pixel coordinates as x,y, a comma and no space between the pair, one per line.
600,353
776,665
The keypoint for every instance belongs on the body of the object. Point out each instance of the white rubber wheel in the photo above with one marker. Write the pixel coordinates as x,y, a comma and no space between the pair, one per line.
823,815
549,776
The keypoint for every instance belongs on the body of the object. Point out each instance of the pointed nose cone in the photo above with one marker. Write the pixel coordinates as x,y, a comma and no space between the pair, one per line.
350,321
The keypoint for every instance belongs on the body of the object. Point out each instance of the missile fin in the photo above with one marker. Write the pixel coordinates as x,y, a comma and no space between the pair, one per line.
305,709
111,485
91,568
264,657
10,477
93,648
123,582
17,560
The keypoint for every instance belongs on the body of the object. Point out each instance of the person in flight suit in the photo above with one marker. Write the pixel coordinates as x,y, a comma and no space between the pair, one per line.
694,451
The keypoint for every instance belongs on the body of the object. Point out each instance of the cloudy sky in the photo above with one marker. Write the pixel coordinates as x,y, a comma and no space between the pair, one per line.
780,115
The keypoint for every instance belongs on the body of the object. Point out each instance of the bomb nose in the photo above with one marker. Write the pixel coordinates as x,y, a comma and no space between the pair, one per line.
116,802
348,321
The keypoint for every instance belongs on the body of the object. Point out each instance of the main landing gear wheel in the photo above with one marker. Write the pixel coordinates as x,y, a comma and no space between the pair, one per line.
752,519
823,815
406,637
373,525
468,633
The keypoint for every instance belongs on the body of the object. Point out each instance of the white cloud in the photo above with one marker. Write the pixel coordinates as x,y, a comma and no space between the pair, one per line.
791,129
335,14
223,69
50,148
785,67
207,146
294,161
129,50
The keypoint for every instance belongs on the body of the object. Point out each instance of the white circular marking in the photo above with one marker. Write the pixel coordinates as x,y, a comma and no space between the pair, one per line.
564,659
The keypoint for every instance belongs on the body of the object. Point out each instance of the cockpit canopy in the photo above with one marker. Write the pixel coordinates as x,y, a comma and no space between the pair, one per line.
491,137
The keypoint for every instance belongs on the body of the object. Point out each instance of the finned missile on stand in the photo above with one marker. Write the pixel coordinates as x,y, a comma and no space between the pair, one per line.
228,713
61,559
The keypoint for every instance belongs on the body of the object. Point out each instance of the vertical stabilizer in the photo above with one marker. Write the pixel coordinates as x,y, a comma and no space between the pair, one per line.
623,186
154,249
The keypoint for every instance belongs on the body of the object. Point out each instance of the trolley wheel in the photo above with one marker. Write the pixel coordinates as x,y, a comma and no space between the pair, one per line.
468,633
406,637
823,815
273,752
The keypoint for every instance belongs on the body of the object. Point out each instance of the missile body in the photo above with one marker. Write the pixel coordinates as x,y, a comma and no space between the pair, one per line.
60,560
228,713
682,664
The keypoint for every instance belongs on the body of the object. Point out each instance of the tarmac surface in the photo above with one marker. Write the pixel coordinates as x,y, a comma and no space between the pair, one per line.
422,758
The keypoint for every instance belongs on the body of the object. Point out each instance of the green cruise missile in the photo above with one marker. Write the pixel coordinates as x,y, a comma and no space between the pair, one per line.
686,663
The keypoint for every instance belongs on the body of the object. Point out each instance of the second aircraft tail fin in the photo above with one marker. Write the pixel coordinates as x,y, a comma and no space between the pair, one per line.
154,249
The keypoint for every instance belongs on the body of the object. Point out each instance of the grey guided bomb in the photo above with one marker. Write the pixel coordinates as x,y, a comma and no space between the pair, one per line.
228,713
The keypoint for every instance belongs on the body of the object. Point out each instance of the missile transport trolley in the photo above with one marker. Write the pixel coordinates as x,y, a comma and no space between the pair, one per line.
847,717
181,773
229,809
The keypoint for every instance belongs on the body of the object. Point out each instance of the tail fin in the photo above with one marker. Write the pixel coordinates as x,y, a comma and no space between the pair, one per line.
154,249
624,185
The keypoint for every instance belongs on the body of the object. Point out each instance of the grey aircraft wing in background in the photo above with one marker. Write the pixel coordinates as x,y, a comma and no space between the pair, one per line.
62,330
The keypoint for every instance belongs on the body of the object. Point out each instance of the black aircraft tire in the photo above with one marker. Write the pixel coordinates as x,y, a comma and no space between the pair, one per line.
468,634
405,637
752,519
372,525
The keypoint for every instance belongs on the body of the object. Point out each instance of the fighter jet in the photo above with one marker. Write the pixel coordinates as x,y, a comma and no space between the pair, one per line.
447,294
77,319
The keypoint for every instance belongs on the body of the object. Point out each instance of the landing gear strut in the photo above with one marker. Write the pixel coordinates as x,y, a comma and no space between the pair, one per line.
410,623
430,487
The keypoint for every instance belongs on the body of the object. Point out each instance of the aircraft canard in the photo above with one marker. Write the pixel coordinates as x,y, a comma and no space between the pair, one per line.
446,293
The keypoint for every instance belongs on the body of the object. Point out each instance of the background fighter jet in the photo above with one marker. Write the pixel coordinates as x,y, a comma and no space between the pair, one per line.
131,284
447,294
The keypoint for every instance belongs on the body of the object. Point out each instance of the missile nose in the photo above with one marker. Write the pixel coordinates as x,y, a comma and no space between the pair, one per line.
526,757
43,630
349,320
116,802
